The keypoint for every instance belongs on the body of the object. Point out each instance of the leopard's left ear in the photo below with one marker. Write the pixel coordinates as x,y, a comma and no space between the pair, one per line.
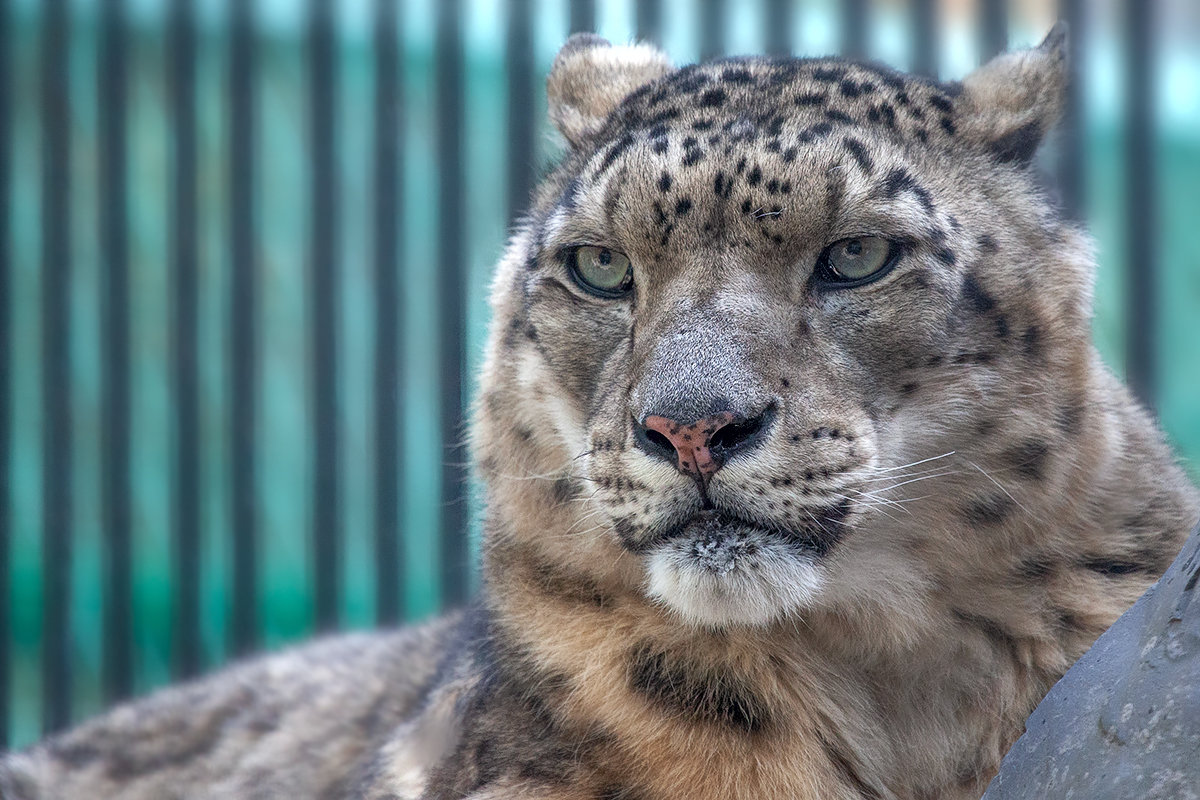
591,77
1010,103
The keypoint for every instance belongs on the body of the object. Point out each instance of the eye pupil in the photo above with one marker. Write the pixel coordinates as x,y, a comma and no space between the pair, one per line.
605,257
854,247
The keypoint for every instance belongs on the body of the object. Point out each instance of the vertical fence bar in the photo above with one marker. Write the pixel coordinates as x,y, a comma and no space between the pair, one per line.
1140,359
926,51
451,287
5,379
185,355
243,341
649,21
389,100
323,285
1071,170
56,369
519,68
854,28
113,221
777,33
993,29
583,16
712,29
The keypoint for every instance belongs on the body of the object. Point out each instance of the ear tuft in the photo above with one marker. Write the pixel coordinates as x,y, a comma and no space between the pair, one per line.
1009,104
590,78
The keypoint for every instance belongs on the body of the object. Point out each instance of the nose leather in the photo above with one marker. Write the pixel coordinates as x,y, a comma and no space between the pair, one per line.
691,442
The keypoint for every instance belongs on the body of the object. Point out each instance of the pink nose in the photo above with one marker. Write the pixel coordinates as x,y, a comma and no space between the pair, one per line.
691,442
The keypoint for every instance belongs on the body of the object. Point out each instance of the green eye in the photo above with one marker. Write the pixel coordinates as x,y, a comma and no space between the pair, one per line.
856,260
601,271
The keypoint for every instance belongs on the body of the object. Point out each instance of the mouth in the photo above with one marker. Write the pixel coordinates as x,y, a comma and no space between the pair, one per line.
718,540
715,569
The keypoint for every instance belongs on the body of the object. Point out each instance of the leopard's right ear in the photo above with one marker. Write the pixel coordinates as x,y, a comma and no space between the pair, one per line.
590,78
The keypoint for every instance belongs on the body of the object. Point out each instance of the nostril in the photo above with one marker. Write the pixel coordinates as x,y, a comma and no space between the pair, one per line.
660,440
735,433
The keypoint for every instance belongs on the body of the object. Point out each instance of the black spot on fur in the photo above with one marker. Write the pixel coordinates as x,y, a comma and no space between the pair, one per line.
900,180
979,298
755,176
1036,568
1028,459
990,510
948,125
846,770
812,99
1031,341
738,75
834,115
987,243
859,151
692,156
1018,146
614,152
945,255
683,206
565,489
828,74
909,388
1115,567
996,632
713,98
940,102
1069,418
1002,327
693,691
664,182
815,132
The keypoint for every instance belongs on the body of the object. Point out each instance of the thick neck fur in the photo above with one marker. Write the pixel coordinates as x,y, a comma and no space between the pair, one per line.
900,682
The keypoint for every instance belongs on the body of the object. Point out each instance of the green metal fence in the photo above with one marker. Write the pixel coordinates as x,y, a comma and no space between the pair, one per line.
244,257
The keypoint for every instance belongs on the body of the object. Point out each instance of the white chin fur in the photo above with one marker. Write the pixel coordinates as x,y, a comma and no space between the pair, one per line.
751,590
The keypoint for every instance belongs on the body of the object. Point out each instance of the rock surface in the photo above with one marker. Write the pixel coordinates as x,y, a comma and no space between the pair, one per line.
1124,722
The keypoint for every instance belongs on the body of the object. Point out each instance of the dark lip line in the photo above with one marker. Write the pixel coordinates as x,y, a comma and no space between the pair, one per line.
819,537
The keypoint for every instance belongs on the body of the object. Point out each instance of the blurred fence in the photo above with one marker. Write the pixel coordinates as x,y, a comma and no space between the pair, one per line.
244,250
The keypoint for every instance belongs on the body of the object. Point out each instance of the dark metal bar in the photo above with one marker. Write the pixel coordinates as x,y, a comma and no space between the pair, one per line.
323,285
56,369
243,339
5,379
451,287
993,28
1141,367
926,49
521,116
115,377
649,21
388,163
1071,163
186,646
854,28
583,16
777,33
712,29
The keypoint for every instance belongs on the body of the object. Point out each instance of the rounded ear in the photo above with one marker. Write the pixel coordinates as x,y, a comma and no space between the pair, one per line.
1010,103
590,78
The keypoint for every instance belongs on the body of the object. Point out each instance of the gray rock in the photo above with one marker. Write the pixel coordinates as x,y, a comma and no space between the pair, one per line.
1124,722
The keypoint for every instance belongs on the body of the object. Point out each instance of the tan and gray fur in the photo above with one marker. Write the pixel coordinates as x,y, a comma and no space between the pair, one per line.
938,498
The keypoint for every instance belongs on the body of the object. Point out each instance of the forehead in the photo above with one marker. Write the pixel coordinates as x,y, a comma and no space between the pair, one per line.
758,152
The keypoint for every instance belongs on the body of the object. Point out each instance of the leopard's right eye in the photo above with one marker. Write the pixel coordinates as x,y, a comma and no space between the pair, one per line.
600,271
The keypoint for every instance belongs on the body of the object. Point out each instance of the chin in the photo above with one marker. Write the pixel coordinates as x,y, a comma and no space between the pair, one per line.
717,573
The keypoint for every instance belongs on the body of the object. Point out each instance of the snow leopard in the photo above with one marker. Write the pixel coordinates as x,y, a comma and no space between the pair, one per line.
803,478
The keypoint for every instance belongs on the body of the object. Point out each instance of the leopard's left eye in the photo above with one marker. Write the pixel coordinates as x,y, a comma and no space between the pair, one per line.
600,271
854,261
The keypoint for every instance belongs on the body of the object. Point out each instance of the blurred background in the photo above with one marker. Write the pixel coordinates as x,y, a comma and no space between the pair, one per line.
244,258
